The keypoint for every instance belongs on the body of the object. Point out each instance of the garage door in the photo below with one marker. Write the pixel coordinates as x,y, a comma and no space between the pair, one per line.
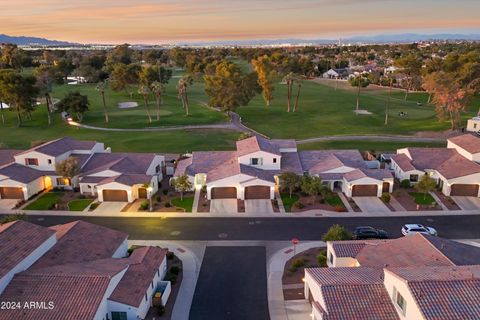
224,193
257,192
469,190
142,193
364,191
11,193
115,195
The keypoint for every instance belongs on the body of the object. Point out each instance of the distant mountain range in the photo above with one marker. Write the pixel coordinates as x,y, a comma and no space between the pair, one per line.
26,41
383,38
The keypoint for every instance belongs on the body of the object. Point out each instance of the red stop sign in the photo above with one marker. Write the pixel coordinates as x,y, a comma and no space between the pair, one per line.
295,241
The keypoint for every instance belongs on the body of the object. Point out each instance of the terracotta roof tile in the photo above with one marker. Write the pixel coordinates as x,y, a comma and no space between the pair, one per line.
339,276
23,174
18,239
254,144
81,241
144,263
468,142
60,146
6,156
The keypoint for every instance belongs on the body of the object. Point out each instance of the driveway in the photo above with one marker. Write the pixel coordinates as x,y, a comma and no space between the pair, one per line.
258,206
110,207
223,206
467,203
232,285
7,204
370,204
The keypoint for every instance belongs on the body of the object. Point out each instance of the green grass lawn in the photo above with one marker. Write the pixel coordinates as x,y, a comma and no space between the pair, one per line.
288,202
335,201
325,111
420,198
186,203
79,205
367,145
45,202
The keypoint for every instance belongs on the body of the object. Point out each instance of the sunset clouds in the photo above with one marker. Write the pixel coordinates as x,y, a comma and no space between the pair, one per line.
161,21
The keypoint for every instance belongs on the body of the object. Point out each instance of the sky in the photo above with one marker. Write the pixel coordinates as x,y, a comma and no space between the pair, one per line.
169,21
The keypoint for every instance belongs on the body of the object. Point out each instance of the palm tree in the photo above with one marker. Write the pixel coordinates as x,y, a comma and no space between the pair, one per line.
101,86
288,79
157,89
182,92
144,91
299,84
387,104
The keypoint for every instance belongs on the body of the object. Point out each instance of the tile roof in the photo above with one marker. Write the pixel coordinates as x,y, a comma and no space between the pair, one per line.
398,252
468,142
60,146
291,163
18,239
266,175
441,273
23,174
136,163
346,249
318,161
81,158
182,165
456,252
447,300
403,161
256,143
358,302
6,156
127,179
339,276
458,166
80,241
144,263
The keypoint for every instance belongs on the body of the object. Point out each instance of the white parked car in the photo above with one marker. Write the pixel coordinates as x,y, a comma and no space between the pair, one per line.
410,229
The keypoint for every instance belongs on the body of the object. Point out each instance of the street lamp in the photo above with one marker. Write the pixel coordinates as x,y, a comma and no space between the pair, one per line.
149,193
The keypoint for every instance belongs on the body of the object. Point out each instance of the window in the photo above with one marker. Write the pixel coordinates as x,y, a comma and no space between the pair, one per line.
31,161
49,161
330,257
119,315
399,301
413,177
146,297
256,161
157,169
274,160
62,182
474,126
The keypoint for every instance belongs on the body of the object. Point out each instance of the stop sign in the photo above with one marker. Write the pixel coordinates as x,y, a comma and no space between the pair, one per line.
295,241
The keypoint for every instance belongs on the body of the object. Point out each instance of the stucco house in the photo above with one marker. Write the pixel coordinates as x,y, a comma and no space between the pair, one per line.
455,168
100,283
415,277
109,176
473,125
252,171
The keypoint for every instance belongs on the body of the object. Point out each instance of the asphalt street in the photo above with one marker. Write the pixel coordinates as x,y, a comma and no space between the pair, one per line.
197,229
232,285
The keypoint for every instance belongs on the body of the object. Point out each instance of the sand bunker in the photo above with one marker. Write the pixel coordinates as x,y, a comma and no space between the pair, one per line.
127,105
362,112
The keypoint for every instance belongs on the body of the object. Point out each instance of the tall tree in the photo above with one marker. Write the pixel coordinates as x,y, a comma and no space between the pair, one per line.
299,86
182,184
290,182
182,87
265,70
18,91
359,81
410,66
45,85
68,168
74,102
101,87
123,77
426,185
289,79
144,91
157,89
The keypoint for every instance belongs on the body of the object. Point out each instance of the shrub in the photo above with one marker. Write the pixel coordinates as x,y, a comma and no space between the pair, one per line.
175,270
170,255
298,263
405,184
82,196
94,206
159,199
144,205
204,189
386,197
168,205
160,310
165,191
339,208
337,232
172,278
130,250
322,260
13,217
298,205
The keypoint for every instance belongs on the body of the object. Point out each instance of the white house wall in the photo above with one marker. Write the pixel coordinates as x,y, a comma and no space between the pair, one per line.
470,179
103,308
42,160
122,250
472,157
347,186
267,160
28,261
114,186
411,311
157,161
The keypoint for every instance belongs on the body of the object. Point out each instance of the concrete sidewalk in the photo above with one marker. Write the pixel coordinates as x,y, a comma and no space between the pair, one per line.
279,308
305,214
